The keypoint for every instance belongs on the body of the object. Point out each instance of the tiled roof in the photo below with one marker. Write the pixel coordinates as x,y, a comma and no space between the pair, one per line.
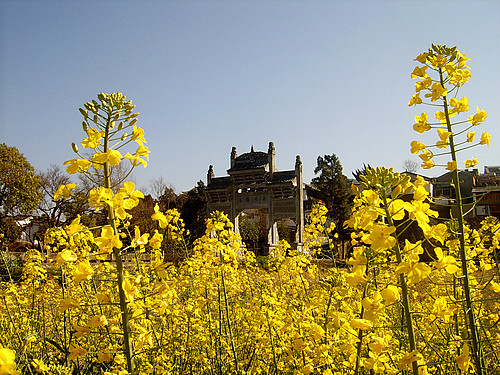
277,177
283,176
250,160
219,183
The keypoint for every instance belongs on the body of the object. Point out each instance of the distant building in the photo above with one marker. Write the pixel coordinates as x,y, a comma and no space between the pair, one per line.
254,183
480,192
486,192
30,227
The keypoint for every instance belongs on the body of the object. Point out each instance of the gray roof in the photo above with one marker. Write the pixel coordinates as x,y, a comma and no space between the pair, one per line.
283,176
219,183
277,177
250,160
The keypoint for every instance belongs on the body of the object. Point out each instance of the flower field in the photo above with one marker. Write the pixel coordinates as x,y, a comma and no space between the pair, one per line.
401,305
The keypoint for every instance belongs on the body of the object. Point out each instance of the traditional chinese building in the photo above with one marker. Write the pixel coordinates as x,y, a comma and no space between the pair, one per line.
254,183
486,192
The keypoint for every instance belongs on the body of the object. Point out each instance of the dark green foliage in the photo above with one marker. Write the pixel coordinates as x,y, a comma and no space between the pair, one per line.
336,191
19,185
19,190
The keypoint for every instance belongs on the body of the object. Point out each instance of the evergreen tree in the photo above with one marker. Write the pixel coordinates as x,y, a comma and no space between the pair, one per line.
336,191
19,189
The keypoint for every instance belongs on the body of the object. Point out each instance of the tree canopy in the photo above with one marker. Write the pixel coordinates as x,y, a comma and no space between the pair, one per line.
19,189
19,185
335,189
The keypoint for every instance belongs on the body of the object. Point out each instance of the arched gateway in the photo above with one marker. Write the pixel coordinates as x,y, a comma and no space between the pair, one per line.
254,183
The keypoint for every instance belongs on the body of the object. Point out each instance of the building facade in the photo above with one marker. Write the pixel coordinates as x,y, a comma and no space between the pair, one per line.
486,192
253,183
480,192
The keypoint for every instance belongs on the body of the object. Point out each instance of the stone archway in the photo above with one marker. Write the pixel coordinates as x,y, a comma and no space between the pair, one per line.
253,182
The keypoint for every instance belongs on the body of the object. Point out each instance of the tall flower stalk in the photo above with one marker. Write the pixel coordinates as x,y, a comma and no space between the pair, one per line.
381,199
105,122
127,349
452,71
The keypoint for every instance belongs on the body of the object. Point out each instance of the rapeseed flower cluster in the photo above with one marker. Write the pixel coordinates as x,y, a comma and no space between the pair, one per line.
107,301
451,72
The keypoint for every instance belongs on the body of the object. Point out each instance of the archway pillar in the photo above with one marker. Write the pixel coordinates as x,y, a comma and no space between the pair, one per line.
299,203
271,224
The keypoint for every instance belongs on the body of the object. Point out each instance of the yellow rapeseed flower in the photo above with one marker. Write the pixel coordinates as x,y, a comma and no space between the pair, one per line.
442,144
437,92
463,360
7,362
452,165
63,191
471,163
135,160
77,165
83,271
142,151
439,232
98,321
138,135
428,164
441,310
471,136
444,134
108,240
75,352
446,262
420,194
437,61
408,358
129,289
459,106
414,100
65,256
113,157
441,117
478,118
485,139
391,294
362,324
417,146
99,196
139,240
39,366
421,125
68,303
380,237
422,85
419,72
422,58
94,138
156,240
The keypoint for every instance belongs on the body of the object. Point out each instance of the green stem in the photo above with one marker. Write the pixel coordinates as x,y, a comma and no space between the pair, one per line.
404,289
360,333
275,362
229,326
119,264
476,344
63,292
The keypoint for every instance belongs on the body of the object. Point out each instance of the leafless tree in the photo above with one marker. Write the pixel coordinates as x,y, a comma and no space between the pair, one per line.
410,166
162,192
50,181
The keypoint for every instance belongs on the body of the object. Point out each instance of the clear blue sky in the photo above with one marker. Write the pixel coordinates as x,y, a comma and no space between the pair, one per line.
314,77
